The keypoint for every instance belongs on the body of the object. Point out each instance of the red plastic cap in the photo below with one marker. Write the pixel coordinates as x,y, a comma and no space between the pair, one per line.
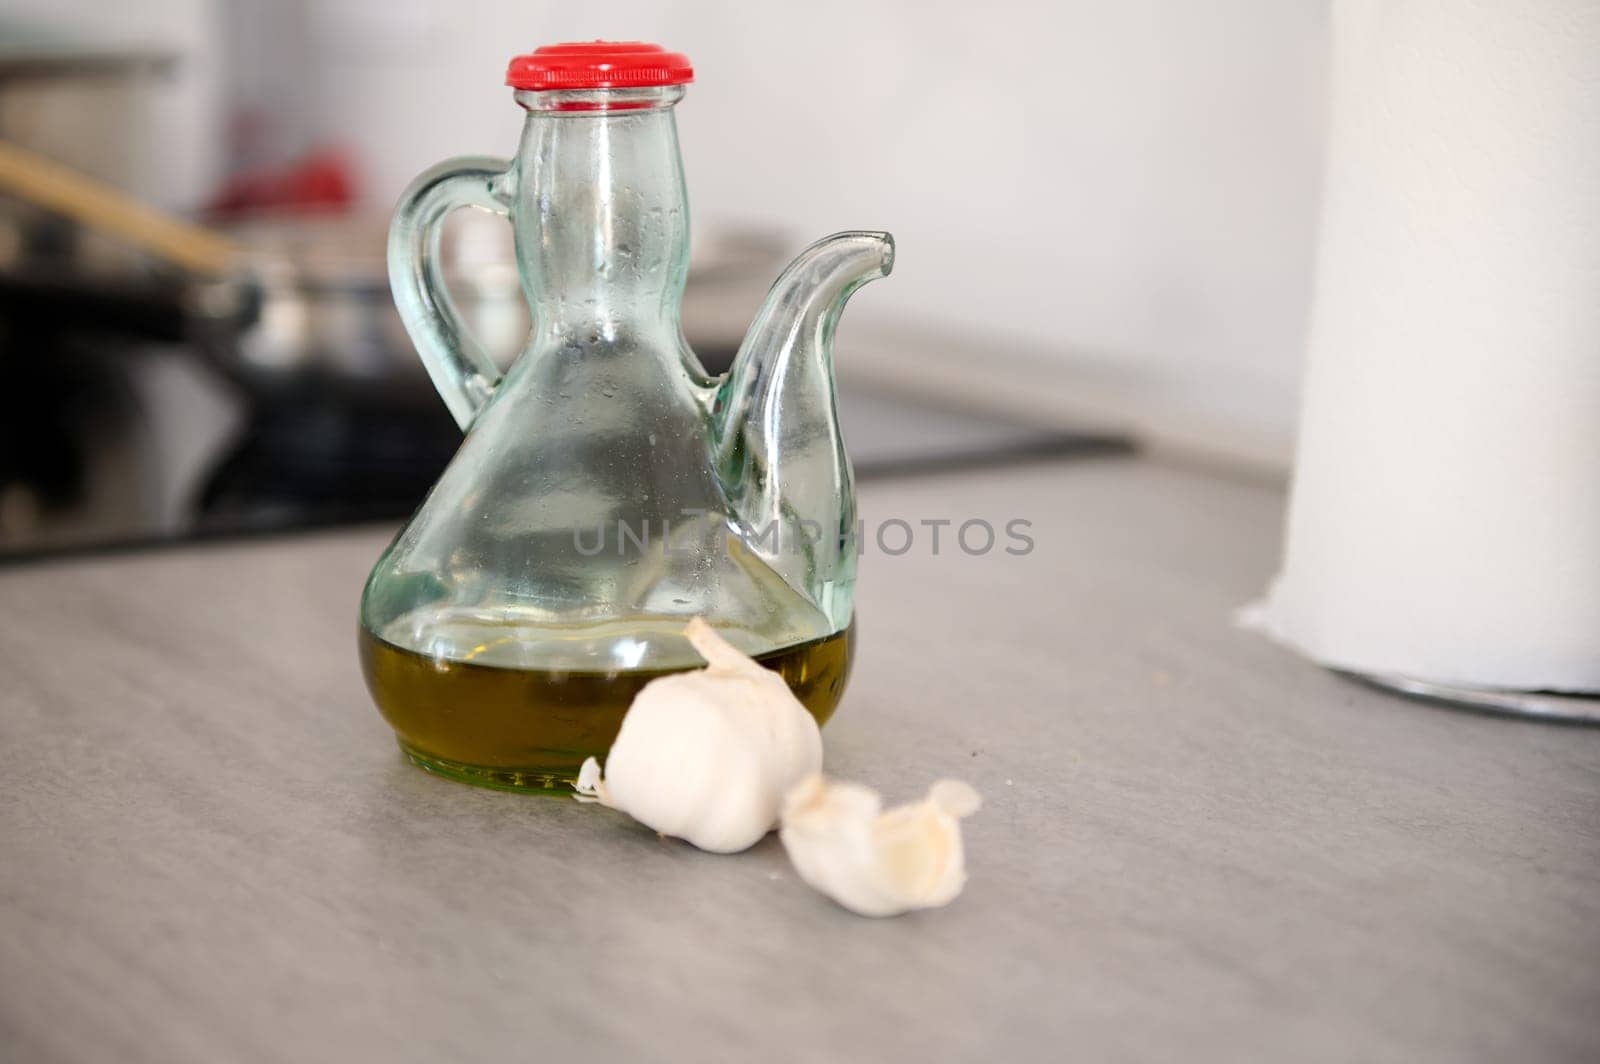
599,65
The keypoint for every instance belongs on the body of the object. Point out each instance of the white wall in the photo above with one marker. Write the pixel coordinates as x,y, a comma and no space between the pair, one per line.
159,137
1136,178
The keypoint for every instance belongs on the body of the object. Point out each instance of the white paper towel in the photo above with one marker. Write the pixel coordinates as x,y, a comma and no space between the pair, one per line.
1445,517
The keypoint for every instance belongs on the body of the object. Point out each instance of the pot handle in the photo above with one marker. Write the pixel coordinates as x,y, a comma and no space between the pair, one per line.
460,368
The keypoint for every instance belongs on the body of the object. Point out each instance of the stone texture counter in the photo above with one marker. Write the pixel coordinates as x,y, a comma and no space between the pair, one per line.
1194,847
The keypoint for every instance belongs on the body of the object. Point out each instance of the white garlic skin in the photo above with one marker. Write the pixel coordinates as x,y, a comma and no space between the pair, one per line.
707,756
878,863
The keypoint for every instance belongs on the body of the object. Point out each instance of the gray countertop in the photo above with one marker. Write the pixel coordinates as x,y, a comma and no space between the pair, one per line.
1194,846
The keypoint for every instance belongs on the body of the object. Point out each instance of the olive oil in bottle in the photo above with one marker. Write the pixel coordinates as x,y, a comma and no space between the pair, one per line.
481,712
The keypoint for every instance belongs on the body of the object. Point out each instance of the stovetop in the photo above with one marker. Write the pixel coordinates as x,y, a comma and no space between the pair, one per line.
317,455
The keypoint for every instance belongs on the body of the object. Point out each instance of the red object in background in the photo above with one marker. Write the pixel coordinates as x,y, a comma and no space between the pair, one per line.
319,181
599,65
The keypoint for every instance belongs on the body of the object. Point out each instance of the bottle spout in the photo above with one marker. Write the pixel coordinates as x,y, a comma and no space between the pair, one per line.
829,271
793,332
778,449
811,292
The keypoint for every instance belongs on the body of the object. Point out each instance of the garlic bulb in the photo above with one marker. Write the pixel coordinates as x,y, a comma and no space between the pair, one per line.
876,863
707,756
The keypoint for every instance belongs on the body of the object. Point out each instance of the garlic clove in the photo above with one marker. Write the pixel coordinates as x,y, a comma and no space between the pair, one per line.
919,848
955,797
707,755
878,863
589,786
721,656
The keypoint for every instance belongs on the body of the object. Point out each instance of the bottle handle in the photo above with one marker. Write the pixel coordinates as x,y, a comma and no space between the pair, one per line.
461,369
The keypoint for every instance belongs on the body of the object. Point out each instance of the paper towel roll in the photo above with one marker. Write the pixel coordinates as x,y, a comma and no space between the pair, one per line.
1445,517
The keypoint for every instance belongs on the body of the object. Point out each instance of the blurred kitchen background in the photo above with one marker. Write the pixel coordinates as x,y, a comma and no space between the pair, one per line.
1105,216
